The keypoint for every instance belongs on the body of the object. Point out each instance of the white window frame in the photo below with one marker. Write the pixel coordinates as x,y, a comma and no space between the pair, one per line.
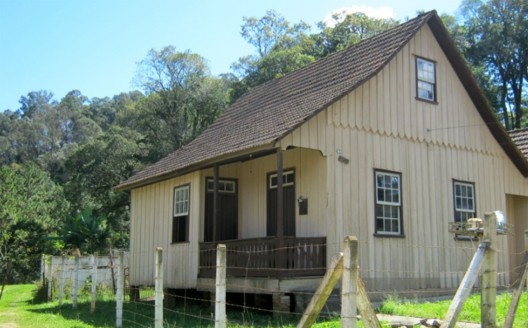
181,201
288,179
425,79
472,211
391,205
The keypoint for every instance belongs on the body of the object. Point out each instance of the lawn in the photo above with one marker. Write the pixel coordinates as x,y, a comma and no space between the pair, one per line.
18,308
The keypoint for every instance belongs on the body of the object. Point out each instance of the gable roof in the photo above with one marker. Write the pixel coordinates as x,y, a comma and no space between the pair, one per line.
272,110
520,138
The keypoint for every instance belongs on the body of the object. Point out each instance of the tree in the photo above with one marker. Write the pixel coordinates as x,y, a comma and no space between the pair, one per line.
182,99
497,46
85,231
95,168
31,210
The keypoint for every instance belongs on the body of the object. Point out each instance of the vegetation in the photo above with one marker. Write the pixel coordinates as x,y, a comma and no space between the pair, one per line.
61,159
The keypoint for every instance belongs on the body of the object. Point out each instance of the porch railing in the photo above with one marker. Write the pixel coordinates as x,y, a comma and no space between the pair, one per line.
267,257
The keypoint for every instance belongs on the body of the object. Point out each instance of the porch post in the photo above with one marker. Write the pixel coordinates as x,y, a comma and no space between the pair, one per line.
280,193
215,199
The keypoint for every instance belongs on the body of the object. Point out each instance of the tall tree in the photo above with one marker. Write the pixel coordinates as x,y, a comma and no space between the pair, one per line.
182,98
31,209
497,37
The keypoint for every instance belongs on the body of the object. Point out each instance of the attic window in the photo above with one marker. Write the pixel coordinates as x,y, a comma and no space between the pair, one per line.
425,80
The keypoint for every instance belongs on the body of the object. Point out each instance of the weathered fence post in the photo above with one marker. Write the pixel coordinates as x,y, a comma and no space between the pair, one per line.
158,277
49,274
119,292
220,291
76,281
61,280
465,287
93,263
489,273
349,283
516,296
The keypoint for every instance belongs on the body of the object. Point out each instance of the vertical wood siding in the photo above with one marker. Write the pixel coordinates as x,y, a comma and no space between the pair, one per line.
380,125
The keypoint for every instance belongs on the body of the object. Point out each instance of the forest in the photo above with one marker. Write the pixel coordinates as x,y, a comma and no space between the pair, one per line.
60,160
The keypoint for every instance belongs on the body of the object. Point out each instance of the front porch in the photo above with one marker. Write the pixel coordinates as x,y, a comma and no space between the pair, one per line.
273,257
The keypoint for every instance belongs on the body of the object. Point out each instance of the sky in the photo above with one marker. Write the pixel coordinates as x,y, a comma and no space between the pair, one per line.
94,46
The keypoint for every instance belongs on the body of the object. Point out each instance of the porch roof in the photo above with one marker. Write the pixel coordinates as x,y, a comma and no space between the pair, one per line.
270,111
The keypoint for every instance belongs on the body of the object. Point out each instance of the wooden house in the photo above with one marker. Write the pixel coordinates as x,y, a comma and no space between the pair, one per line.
389,140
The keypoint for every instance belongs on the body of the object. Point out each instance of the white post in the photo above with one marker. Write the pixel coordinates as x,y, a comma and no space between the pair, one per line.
220,292
93,263
489,273
526,252
158,311
76,281
349,283
119,292
61,281
49,274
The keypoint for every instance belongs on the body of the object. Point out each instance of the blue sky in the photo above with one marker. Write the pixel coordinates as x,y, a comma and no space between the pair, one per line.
94,45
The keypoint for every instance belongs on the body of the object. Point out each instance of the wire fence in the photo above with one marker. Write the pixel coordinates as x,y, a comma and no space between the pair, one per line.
251,298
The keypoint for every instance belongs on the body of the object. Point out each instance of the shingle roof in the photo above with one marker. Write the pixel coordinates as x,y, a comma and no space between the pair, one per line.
520,138
270,111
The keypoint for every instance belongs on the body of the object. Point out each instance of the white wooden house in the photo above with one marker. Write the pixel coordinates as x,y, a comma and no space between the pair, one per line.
389,140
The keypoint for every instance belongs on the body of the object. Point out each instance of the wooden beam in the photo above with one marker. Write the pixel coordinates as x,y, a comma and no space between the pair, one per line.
349,283
215,200
489,273
322,293
510,317
368,315
465,287
280,193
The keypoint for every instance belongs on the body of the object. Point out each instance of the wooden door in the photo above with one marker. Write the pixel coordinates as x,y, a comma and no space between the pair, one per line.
288,203
227,215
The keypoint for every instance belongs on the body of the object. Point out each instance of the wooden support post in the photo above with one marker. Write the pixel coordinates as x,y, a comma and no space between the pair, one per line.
119,291
516,296
76,280
49,274
220,291
368,315
322,293
215,201
281,252
93,263
489,273
61,280
465,287
349,283
158,311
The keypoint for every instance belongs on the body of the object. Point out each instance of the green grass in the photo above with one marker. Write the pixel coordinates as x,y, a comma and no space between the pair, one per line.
19,308
470,311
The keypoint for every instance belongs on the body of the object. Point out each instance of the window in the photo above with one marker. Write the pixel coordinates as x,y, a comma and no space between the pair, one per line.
288,179
425,79
464,197
388,203
180,219
224,186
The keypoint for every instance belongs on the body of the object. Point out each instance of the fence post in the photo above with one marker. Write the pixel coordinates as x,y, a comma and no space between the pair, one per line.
93,263
526,253
489,273
158,312
61,281
49,274
119,293
220,292
76,281
349,283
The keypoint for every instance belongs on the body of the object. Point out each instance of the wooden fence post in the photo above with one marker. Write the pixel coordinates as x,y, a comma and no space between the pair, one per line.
220,292
489,273
516,296
322,293
61,280
76,281
119,292
93,263
349,283
49,275
465,287
158,276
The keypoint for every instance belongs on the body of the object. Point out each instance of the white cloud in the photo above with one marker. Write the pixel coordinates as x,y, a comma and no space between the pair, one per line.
379,12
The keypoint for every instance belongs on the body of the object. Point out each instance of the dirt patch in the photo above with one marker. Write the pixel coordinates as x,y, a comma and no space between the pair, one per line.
9,325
